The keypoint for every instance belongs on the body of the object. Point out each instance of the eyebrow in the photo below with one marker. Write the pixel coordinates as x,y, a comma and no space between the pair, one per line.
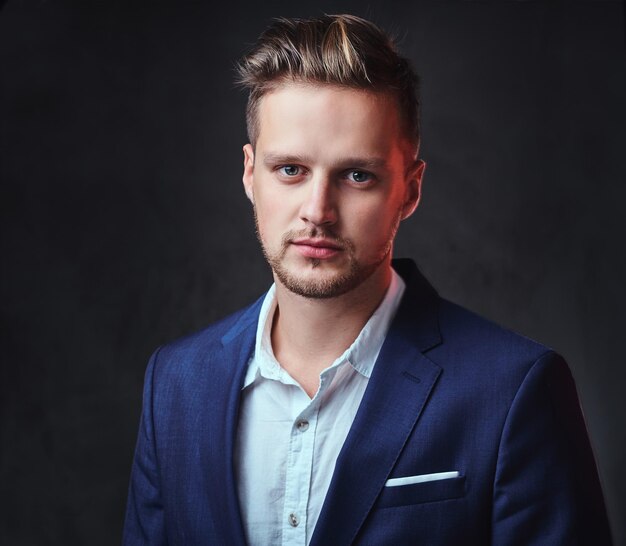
270,159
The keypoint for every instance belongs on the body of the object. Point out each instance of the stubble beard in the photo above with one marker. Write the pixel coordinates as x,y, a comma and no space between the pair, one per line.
329,286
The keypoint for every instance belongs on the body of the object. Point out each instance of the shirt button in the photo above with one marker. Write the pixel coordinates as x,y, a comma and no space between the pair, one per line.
302,425
293,520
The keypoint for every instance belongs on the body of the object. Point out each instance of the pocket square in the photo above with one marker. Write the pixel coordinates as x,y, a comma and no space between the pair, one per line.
421,478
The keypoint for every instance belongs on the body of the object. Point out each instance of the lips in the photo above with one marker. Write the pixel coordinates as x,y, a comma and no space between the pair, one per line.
317,248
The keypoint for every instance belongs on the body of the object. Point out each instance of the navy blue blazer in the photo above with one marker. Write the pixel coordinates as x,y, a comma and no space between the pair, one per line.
450,392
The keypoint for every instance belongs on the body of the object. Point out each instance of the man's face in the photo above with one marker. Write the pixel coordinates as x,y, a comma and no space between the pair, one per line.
330,180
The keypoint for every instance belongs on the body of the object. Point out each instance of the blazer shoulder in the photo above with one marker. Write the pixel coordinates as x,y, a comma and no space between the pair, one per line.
485,343
490,363
205,341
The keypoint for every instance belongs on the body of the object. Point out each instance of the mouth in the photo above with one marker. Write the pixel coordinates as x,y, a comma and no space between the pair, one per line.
317,248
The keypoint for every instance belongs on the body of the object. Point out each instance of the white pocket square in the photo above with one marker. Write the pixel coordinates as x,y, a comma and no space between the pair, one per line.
421,478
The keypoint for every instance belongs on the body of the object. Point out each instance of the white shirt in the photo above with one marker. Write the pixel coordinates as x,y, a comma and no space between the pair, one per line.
287,443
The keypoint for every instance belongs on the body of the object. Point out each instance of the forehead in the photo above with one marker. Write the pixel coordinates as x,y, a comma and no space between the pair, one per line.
323,117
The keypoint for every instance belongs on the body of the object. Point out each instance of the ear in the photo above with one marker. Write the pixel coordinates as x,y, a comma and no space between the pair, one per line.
248,171
413,187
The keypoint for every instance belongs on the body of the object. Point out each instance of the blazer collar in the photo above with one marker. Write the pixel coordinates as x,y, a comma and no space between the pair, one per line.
417,318
398,390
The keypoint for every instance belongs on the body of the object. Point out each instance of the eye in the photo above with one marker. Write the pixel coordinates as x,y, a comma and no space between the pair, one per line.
360,177
289,170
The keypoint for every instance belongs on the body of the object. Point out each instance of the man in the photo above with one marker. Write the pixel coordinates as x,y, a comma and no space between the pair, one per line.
350,403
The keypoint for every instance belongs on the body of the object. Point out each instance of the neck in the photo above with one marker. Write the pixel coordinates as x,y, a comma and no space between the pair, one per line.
309,334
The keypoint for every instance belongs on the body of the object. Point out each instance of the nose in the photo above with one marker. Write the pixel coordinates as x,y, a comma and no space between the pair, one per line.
319,205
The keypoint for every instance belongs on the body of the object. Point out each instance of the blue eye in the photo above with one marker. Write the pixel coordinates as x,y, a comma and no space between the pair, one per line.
359,176
289,170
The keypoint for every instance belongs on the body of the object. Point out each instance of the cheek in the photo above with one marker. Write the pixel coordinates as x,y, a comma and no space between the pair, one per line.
372,217
272,216
370,227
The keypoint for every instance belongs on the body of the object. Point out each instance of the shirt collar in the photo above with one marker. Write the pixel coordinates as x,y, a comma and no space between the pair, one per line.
364,351
361,355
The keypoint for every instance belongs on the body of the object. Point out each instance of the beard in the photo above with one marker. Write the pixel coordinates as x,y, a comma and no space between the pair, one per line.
324,286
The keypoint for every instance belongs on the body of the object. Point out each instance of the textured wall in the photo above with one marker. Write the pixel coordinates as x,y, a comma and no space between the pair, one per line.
124,224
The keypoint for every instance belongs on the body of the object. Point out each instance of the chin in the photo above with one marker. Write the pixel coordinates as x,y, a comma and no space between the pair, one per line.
323,280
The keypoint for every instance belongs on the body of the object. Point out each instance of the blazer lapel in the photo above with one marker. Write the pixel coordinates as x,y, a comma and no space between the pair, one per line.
398,390
237,347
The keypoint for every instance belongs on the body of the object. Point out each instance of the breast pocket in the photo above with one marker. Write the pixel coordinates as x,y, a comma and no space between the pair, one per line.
418,493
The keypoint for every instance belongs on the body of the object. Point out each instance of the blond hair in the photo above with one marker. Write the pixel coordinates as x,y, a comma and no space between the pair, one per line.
343,50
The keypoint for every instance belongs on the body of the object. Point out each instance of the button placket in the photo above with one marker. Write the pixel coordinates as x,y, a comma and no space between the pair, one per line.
298,483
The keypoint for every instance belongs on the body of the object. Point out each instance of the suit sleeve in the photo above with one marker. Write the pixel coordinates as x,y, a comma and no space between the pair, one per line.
145,519
546,488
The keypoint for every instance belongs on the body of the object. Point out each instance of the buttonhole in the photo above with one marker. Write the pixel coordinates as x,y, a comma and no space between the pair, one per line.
411,377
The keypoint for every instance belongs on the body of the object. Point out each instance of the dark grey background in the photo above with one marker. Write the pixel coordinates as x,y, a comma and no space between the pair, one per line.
124,223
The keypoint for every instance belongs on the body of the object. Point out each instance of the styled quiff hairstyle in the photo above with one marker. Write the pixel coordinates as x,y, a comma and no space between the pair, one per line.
343,50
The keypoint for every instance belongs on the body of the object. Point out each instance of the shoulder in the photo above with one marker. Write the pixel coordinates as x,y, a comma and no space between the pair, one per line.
457,338
481,350
465,328
493,375
202,344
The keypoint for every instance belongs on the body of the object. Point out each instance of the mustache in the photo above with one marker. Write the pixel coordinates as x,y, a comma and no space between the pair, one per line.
315,233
